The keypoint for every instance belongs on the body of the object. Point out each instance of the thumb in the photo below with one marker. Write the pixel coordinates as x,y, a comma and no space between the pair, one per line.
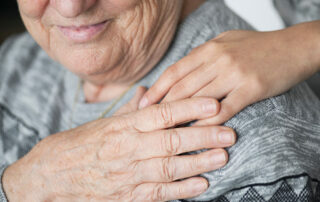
133,104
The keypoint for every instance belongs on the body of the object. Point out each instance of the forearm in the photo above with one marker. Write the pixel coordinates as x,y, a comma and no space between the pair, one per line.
305,42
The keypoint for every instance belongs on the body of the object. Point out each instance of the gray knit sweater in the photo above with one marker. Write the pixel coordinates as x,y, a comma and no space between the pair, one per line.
276,157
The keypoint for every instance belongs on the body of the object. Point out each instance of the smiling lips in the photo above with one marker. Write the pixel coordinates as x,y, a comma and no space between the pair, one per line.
83,33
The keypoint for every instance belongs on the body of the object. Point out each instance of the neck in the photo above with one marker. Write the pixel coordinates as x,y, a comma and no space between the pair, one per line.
102,93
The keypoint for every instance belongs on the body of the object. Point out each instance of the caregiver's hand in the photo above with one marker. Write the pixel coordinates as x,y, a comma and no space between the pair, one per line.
241,67
131,157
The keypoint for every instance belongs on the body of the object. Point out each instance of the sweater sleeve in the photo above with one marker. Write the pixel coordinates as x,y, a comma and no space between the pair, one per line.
3,71
278,145
3,197
16,136
297,11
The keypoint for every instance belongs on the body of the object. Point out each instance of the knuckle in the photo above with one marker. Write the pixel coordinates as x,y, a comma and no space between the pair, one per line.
229,58
172,142
117,123
257,85
137,168
172,69
113,145
124,193
166,116
168,169
238,75
173,72
159,193
155,89
237,72
213,46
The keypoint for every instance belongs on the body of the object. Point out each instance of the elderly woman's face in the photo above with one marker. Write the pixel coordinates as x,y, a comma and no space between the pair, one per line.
103,40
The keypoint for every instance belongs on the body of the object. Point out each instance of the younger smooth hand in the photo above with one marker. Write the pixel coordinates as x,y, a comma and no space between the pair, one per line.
239,68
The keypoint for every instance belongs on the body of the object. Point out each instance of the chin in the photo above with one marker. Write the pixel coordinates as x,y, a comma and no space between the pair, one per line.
89,69
88,61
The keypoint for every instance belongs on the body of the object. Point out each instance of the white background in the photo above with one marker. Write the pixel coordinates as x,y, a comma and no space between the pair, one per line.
259,13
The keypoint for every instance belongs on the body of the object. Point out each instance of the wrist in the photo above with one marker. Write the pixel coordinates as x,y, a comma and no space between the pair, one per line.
16,185
10,184
306,37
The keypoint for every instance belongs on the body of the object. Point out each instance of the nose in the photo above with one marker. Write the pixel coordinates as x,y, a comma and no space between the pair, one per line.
72,8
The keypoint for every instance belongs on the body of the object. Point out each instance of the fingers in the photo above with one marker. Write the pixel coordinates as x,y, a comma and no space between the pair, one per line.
230,106
132,105
167,115
216,89
171,76
189,85
169,169
180,140
171,191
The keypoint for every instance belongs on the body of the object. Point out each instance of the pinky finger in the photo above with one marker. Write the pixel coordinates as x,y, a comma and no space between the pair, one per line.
230,106
171,191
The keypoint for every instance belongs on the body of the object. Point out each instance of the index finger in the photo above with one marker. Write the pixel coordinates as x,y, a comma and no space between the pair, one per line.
171,76
167,115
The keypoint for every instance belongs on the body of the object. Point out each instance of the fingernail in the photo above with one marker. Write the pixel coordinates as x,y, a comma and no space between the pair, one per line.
200,187
226,137
143,103
219,158
210,107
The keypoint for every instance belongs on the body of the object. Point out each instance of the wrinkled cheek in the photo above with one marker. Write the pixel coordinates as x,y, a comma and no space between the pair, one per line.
123,5
39,32
32,8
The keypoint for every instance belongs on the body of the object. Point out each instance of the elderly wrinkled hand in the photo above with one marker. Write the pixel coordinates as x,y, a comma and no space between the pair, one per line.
129,157
240,68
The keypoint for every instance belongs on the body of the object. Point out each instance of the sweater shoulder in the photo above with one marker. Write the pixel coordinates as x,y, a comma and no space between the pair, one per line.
299,103
27,76
21,55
